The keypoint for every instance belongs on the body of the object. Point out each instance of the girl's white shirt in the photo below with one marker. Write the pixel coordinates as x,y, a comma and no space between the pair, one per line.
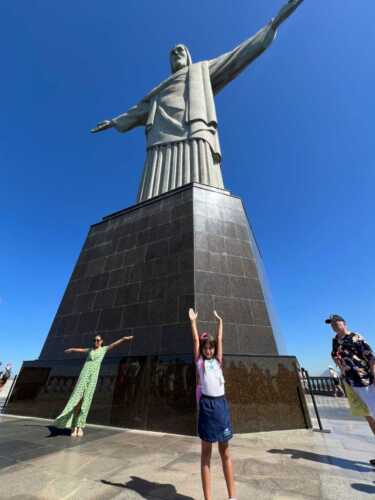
210,377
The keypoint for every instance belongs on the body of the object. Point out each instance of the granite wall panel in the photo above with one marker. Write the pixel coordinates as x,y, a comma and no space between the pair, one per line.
136,270
158,392
145,266
226,273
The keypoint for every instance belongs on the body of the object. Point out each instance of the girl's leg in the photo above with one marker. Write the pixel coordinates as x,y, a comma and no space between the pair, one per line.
205,469
227,468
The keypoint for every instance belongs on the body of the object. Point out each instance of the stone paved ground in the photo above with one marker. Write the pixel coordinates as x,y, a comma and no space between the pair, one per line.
108,463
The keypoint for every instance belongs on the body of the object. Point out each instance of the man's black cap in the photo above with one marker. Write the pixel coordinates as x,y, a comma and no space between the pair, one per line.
333,318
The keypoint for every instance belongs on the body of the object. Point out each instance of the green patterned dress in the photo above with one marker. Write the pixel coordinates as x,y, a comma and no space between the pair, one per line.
84,390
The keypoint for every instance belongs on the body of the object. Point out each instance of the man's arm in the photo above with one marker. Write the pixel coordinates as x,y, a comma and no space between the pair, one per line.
368,354
372,368
226,67
336,357
136,116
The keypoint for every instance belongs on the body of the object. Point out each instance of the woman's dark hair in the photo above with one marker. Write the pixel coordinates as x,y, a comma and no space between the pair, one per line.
101,338
207,339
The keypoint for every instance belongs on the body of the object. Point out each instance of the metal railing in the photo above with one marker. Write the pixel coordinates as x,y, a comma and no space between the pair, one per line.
4,403
323,386
307,382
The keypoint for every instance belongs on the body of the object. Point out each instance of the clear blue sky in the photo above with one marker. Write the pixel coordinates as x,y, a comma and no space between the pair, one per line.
297,134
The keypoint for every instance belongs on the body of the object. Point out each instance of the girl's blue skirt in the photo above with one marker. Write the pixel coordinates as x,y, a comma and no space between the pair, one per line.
214,422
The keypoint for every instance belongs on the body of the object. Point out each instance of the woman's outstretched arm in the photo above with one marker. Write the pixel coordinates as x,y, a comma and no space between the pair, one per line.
118,342
194,331
219,337
76,349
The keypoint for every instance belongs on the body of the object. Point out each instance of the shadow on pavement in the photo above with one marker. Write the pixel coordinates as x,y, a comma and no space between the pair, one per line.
27,440
365,488
150,490
325,459
55,431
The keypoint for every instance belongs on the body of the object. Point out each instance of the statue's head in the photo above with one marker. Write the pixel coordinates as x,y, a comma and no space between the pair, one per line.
179,57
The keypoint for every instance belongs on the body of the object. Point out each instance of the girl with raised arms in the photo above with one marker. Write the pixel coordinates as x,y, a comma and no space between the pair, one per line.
214,424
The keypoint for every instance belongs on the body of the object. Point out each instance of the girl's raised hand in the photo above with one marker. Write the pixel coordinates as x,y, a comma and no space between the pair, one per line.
217,316
192,314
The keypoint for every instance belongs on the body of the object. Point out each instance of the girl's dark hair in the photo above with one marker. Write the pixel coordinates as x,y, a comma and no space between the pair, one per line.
207,339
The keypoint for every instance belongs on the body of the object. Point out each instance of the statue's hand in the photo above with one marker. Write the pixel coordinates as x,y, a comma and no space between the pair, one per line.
102,126
285,12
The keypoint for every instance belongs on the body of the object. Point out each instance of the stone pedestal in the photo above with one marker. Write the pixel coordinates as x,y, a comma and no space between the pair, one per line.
138,273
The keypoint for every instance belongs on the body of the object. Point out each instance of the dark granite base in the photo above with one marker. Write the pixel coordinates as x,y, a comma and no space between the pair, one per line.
158,393
138,273
142,268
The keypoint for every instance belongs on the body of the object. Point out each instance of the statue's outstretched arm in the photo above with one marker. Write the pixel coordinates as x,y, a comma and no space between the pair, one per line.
136,116
285,12
102,126
226,67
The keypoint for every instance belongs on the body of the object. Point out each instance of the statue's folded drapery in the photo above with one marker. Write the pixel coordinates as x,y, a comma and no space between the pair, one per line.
180,120
169,166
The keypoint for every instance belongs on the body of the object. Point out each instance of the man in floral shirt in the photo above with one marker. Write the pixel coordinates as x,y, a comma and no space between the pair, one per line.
356,360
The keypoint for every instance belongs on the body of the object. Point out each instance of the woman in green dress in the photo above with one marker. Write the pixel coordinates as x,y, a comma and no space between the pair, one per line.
77,408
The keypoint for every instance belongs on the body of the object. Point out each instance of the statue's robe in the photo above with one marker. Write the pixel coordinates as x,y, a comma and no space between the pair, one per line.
180,120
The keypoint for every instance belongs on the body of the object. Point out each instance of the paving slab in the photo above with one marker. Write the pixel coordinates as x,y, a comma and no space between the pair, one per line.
110,463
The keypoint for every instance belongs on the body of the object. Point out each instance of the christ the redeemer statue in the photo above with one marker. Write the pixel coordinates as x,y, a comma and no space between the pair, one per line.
180,118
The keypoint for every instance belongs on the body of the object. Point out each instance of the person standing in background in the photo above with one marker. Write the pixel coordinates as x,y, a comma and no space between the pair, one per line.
356,360
336,381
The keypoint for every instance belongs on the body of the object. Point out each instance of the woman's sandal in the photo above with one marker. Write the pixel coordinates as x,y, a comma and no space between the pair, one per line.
79,432
74,432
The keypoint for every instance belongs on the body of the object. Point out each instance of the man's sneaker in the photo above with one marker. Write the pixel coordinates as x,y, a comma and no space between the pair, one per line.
372,462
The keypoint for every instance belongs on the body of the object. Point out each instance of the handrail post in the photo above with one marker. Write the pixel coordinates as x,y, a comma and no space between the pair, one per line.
306,374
